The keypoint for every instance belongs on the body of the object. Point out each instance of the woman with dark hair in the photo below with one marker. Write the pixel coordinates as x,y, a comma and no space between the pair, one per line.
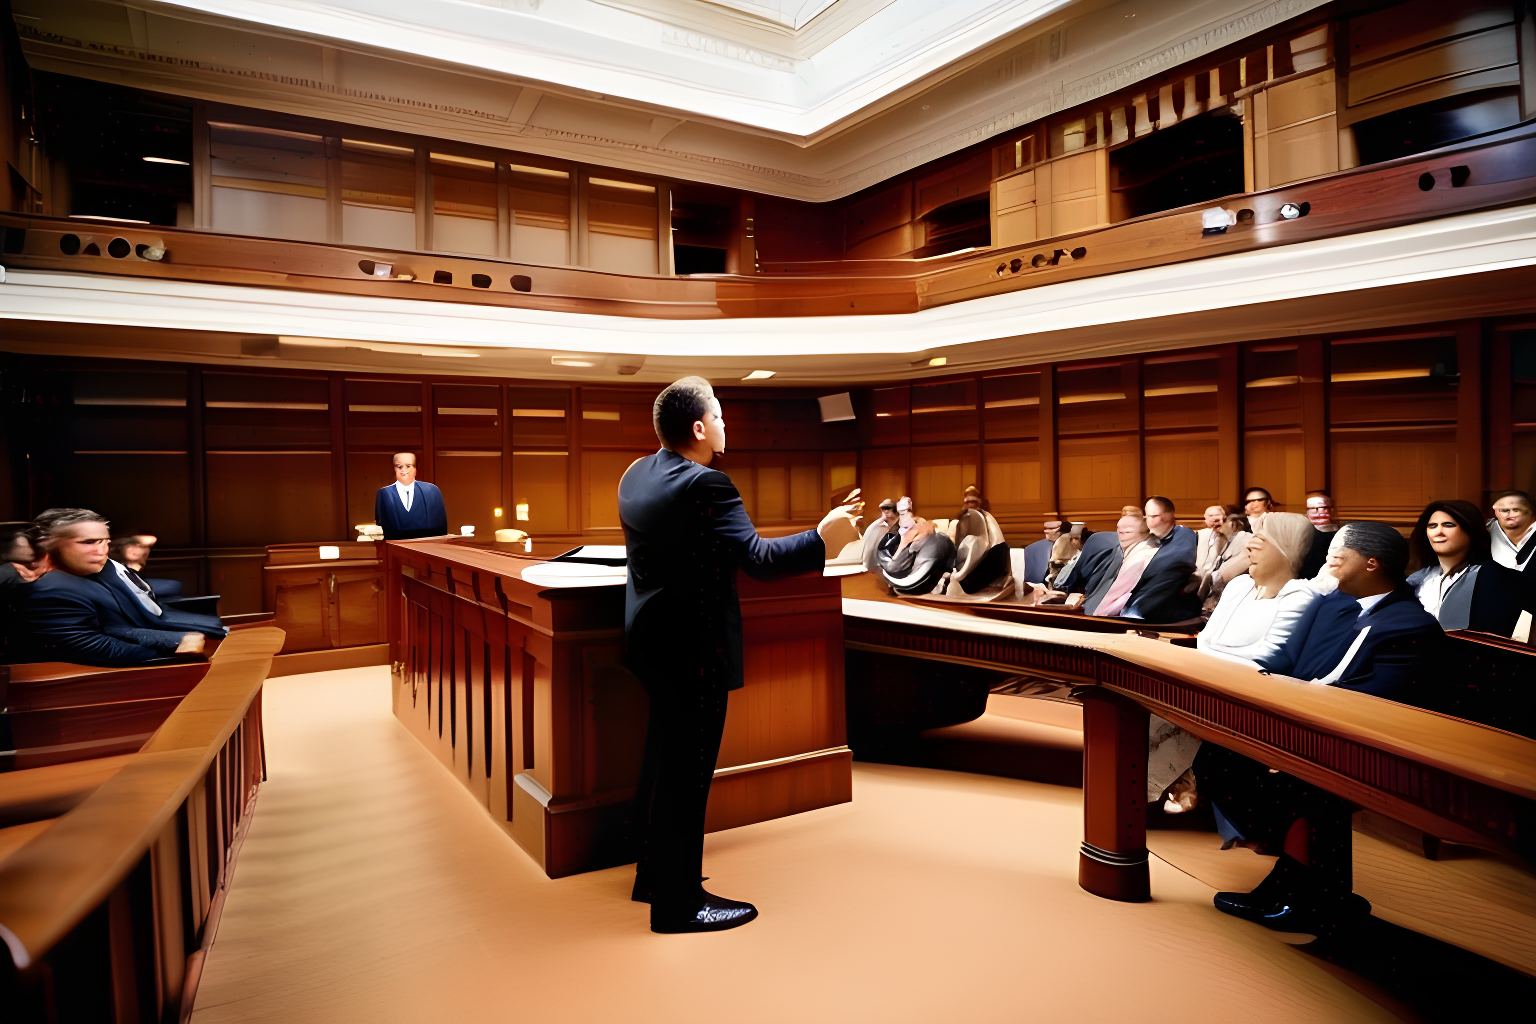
1459,583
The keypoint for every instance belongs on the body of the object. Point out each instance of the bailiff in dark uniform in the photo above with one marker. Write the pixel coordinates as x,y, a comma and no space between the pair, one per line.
687,533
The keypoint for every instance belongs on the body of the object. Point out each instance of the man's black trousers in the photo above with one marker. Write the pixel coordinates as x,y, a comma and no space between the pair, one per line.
682,743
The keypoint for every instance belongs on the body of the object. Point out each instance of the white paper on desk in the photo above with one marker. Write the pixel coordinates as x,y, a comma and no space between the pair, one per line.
599,551
574,574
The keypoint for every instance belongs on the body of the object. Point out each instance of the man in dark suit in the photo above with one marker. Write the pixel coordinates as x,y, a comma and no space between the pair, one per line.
1037,556
686,534
1371,634
143,603
409,507
71,615
1146,580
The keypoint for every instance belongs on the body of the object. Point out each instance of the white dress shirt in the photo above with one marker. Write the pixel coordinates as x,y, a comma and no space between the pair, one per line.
1505,550
406,492
1244,628
138,586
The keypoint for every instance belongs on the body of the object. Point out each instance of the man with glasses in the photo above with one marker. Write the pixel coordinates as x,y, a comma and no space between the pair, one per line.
1256,502
1324,519
72,615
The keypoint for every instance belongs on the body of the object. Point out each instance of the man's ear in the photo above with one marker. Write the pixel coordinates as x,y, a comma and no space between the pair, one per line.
698,431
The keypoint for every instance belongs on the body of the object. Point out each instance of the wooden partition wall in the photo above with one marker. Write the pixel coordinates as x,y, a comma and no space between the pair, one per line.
219,461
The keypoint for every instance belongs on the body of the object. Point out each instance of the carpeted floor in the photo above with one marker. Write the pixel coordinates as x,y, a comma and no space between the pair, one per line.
373,889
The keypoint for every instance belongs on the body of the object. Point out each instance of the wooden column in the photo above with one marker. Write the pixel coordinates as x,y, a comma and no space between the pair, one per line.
338,403
1312,366
197,475
1471,443
424,458
1229,423
1047,447
1113,860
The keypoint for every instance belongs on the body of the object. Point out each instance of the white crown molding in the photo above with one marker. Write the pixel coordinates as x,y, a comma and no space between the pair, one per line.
1033,325
816,134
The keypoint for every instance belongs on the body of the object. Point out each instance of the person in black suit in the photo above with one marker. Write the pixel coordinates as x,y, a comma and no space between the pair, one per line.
1460,584
141,602
1037,556
686,534
1156,593
409,507
1369,635
71,615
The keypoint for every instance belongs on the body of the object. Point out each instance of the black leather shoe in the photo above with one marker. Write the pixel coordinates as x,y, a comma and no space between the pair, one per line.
715,915
1320,917
1280,885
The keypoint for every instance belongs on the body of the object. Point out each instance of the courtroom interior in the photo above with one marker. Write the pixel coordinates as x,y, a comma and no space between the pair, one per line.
868,510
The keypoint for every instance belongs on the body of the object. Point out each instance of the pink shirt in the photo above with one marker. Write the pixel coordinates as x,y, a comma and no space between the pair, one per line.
1130,574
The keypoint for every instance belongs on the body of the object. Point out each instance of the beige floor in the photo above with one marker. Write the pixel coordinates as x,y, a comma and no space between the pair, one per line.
373,889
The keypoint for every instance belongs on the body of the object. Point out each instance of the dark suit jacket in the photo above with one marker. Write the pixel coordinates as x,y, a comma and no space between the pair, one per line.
1159,596
1101,552
78,619
169,619
1403,640
1491,603
1317,554
1037,561
428,516
687,533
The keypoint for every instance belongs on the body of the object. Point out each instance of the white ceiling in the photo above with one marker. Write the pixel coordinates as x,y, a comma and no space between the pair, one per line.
803,98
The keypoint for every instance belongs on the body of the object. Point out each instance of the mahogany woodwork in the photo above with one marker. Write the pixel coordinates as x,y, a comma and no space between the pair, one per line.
521,692
108,912
1447,777
321,605
1341,203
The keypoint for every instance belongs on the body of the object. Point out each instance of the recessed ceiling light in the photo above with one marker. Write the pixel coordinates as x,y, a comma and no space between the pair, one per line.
938,361
586,362
166,160
759,375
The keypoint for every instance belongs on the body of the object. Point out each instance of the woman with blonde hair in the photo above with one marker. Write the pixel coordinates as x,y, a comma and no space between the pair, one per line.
1256,615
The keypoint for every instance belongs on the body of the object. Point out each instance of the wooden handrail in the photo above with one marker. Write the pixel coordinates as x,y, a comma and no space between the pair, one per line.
50,885
1470,751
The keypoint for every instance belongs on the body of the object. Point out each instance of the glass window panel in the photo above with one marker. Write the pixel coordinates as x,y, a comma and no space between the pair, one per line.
621,226
378,194
267,182
463,205
541,214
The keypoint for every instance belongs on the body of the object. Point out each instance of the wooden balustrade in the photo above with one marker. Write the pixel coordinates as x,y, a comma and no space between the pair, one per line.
1488,172
108,910
1446,777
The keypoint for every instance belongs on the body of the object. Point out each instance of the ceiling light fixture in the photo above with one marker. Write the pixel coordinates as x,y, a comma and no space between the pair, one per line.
166,160
584,362
759,375
938,361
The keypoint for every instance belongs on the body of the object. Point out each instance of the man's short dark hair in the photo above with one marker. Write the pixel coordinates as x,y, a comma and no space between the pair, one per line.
1249,490
1381,542
51,522
1163,504
678,408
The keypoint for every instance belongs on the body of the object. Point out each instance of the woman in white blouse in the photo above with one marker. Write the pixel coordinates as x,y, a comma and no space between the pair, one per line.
1258,611
1254,618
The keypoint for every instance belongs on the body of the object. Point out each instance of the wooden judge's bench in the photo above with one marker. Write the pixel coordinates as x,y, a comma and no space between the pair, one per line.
514,678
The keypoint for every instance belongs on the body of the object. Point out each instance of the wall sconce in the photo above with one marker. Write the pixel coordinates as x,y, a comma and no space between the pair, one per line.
498,513
522,511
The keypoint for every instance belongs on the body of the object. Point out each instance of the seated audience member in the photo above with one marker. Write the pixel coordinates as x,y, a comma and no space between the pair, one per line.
1259,610
20,562
881,535
1150,581
1512,530
1257,614
133,551
1101,554
981,550
1207,540
1230,559
1037,556
1256,502
1371,633
1460,584
1320,512
1130,532
144,606
921,560
906,516
70,614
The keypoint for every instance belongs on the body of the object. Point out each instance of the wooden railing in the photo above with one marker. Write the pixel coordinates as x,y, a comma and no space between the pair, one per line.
1446,777
108,912
1489,172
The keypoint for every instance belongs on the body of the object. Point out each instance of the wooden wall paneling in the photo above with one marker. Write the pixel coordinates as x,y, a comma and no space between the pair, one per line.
1471,413
945,411
601,470
884,474
1273,449
338,403
268,497
236,577
1312,367
425,464
471,485
840,474
197,473
1229,424
508,513
1180,422
940,474
1050,492
574,473
1011,471
1501,419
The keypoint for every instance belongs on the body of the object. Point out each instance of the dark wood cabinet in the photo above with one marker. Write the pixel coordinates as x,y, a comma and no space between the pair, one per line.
325,603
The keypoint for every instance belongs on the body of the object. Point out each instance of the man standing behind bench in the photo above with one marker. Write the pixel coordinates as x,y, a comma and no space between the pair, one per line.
687,533
409,508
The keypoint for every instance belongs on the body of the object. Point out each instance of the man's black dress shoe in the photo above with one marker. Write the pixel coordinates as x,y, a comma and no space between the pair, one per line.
715,914
1319,916
1286,878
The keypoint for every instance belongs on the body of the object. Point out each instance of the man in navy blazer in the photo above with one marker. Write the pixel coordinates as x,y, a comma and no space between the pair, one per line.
1158,595
409,507
142,603
71,615
686,535
1371,634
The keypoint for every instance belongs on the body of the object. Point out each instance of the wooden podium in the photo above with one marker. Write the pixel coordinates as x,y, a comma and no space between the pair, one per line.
520,690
